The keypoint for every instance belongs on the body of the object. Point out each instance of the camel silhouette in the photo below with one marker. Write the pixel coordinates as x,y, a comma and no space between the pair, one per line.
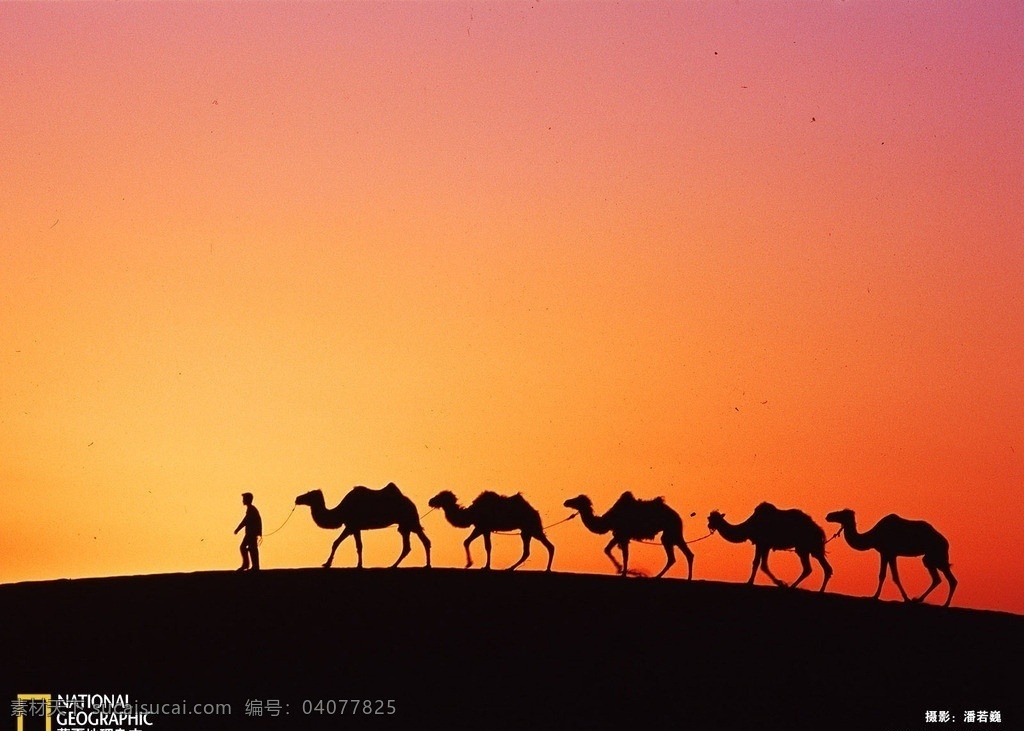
492,512
894,536
772,529
630,519
365,509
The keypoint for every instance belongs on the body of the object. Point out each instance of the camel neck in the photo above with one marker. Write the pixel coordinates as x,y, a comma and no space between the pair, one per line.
457,516
857,541
325,518
733,533
592,522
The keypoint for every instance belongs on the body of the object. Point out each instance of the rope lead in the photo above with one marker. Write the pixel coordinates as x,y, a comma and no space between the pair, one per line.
279,527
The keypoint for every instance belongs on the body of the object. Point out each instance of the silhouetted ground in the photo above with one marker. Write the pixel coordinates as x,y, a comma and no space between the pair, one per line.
481,650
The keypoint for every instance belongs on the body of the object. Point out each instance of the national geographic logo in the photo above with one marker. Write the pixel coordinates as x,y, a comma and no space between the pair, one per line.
78,712
34,712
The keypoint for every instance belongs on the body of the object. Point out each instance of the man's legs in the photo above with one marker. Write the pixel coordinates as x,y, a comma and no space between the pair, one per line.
250,548
244,548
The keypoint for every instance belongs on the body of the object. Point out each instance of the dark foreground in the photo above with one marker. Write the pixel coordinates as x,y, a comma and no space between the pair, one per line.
471,649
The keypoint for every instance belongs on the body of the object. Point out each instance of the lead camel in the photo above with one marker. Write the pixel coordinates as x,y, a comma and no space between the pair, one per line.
894,536
365,509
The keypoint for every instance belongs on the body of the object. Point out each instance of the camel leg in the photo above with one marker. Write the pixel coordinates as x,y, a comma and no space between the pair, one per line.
935,582
896,578
764,567
805,563
487,547
472,537
881,575
551,549
952,583
689,559
934,567
826,568
526,551
757,565
425,541
624,547
330,559
608,551
667,543
359,549
405,548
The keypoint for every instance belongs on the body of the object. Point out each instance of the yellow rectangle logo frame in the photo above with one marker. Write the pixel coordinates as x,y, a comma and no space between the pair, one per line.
36,697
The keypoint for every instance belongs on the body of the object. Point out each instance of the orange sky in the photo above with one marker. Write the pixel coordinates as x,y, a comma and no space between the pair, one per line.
723,253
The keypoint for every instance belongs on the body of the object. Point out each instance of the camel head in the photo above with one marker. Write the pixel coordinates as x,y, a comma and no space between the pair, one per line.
310,498
443,499
579,503
716,520
843,517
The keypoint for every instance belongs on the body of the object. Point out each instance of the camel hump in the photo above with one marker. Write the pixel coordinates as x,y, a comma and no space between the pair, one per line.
651,517
893,522
922,530
798,516
765,507
626,498
655,503
488,497
623,506
519,505
358,492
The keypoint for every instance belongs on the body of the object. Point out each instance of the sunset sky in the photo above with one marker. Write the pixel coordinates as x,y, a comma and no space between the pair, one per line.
719,252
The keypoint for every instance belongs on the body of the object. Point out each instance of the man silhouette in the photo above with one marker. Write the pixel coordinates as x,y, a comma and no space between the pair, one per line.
253,530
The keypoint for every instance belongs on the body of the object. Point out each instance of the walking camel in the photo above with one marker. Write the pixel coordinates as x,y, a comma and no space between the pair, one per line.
894,536
630,519
772,529
365,509
491,512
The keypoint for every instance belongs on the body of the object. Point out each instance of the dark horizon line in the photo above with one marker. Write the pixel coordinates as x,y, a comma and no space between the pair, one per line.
613,578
